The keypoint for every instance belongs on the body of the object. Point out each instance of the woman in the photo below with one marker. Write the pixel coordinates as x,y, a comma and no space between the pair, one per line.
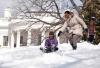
74,25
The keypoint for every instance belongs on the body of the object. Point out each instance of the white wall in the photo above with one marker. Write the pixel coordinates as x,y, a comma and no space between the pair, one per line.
3,29
3,32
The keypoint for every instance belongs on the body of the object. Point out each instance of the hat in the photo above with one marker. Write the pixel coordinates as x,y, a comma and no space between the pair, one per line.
93,18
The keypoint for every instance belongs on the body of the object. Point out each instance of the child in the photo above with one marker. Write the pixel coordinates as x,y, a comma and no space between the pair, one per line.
51,43
91,30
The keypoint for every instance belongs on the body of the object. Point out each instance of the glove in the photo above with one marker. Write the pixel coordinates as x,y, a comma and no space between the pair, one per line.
53,45
86,30
59,33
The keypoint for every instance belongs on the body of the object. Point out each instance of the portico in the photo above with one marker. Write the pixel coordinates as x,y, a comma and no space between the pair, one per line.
20,36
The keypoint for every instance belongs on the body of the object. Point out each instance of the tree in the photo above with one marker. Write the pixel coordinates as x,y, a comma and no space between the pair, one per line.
36,10
30,8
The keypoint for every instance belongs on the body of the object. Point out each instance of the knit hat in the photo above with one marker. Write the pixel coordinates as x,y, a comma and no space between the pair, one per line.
93,18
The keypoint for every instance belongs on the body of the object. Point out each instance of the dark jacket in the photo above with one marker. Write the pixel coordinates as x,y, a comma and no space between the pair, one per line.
91,28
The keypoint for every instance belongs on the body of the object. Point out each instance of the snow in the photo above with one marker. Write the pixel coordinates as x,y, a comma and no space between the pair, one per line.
87,55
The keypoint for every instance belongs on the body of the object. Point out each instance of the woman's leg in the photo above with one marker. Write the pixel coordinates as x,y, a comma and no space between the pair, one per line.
71,40
74,40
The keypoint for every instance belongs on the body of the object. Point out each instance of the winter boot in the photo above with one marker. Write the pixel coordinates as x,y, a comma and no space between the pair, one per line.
74,47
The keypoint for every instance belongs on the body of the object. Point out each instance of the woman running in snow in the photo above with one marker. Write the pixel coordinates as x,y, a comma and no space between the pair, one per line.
75,26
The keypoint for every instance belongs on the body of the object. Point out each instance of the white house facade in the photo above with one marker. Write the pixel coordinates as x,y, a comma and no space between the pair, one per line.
21,32
4,25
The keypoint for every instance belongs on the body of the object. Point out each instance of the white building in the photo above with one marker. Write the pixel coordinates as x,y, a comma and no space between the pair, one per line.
4,22
19,32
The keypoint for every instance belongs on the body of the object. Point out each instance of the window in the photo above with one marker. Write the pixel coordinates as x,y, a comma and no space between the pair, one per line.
5,40
21,39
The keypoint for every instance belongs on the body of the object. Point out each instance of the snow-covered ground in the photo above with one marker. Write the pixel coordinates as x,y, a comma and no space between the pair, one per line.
86,56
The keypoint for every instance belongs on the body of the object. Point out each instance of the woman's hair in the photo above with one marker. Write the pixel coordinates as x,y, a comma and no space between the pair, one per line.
68,12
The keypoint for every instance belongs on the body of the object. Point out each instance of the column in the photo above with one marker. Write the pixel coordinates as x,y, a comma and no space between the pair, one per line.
29,38
9,38
43,35
1,41
12,40
18,39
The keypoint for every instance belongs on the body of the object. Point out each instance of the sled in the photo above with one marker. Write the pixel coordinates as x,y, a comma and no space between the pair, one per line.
48,50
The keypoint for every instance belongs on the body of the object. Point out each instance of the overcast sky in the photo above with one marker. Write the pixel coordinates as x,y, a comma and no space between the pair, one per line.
7,3
4,4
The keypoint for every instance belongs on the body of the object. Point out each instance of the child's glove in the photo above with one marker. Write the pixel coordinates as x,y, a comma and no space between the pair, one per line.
59,33
53,45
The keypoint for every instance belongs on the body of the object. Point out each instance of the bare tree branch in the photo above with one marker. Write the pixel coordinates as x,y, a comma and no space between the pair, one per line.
30,9
75,6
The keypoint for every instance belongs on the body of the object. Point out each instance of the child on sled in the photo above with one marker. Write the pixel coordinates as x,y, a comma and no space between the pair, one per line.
51,43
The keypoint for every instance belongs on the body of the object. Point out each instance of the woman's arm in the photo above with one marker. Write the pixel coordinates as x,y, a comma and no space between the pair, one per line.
63,27
81,22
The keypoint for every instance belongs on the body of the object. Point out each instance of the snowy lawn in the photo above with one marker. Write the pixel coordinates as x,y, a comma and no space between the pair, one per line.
86,56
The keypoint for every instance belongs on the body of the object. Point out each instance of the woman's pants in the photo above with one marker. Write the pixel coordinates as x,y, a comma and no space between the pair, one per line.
74,39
